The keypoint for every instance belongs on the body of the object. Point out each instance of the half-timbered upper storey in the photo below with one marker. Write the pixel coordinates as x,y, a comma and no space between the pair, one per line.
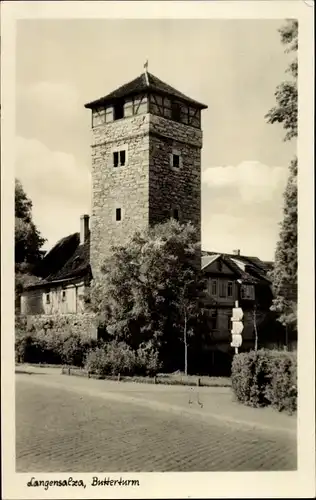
146,94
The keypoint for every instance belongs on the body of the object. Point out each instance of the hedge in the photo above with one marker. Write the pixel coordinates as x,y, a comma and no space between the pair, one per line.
266,378
115,358
52,349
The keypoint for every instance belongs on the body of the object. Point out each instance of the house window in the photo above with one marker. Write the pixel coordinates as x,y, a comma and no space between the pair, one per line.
119,111
247,292
63,295
230,289
118,214
214,288
229,323
222,289
175,161
48,298
213,319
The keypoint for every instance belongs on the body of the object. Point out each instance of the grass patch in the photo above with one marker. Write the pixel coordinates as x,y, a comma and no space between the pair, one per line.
161,379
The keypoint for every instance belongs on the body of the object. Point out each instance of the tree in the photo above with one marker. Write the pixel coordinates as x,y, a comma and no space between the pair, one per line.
150,289
284,275
285,111
28,241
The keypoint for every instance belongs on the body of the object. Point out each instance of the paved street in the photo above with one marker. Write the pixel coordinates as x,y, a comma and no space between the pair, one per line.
73,424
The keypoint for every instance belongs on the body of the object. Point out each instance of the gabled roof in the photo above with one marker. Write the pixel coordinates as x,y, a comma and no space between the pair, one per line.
248,269
66,261
208,259
144,82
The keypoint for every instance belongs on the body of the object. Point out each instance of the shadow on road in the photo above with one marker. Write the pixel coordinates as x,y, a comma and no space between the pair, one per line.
26,372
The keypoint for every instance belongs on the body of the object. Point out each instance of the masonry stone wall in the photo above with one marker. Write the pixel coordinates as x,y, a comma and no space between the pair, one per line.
124,187
174,188
146,188
61,324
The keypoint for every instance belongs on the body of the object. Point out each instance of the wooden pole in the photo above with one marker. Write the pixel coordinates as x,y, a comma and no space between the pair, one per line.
255,327
185,346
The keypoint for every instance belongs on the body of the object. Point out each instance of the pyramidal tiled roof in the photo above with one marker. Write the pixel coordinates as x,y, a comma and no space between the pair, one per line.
146,81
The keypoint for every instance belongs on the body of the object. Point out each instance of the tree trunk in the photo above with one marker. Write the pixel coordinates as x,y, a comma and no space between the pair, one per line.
185,345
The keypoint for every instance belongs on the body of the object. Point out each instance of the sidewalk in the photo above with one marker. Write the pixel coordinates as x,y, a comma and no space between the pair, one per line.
214,404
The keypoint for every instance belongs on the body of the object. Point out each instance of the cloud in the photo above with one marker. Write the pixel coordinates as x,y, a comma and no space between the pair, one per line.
60,99
242,207
252,181
57,184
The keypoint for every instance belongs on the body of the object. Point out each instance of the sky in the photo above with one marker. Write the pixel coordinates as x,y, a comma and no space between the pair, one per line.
233,66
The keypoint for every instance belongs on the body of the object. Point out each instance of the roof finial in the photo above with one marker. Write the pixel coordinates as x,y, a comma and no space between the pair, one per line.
146,71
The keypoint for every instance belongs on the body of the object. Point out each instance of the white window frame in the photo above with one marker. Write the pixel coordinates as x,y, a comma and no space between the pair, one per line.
123,147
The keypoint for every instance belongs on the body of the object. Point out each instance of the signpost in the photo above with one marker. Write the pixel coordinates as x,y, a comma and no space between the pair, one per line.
237,327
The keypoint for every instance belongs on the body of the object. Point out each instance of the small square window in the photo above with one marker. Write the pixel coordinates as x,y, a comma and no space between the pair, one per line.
115,159
175,161
118,214
122,158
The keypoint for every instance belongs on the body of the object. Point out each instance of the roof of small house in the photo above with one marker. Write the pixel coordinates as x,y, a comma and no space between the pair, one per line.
66,261
250,270
143,83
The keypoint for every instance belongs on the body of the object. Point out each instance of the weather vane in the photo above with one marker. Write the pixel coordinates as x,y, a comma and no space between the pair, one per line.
146,71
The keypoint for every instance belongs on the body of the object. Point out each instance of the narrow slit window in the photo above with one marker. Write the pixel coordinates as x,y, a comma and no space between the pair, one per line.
175,161
122,158
175,213
118,214
48,298
175,111
214,288
230,289
115,159
63,295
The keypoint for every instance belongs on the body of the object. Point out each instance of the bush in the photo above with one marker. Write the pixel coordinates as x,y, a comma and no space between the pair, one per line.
265,378
147,359
27,349
112,359
73,350
281,392
50,348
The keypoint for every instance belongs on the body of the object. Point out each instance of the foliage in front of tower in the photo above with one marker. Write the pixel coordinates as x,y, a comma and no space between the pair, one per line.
150,291
28,240
285,271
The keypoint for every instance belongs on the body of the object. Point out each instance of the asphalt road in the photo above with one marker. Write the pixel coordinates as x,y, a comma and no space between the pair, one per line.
60,430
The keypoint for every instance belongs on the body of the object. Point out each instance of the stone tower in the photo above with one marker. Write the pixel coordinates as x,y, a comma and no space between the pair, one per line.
146,162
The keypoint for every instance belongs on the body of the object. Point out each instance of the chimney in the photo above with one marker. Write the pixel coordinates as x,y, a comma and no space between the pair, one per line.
236,252
84,228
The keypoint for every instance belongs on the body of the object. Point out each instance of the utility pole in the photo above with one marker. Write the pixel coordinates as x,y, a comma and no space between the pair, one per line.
255,325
